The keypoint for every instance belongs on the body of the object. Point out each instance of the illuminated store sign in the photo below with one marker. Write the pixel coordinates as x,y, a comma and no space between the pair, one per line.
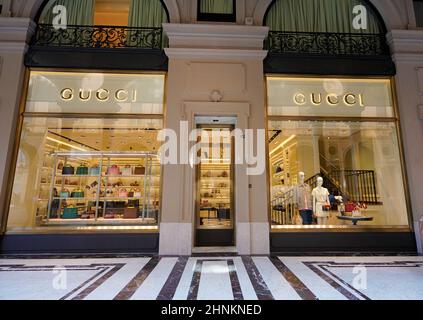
100,95
77,92
316,99
328,97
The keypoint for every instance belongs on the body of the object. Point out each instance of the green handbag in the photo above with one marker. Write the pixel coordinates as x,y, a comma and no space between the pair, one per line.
82,171
78,193
70,213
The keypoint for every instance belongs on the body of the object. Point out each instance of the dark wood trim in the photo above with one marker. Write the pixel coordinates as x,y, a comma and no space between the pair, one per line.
97,58
291,242
320,65
145,243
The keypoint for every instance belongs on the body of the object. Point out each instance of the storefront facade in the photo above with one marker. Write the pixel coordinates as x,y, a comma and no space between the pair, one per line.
336,124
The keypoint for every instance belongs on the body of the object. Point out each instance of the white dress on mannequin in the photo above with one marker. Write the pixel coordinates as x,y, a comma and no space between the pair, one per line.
321,198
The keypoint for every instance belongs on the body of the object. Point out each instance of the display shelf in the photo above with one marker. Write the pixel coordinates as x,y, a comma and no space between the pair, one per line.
147,184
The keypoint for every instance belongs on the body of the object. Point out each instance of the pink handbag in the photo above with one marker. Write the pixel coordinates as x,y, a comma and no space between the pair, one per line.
123,193
113,171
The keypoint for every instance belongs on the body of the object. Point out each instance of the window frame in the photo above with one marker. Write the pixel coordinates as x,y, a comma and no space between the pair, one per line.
216,17
395,119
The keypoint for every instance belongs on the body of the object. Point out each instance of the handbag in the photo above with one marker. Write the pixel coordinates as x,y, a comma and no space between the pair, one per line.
130,213
131,193
77,193
70,213
113,170
127,170
65,193
95,171
137,193
139,170
60,166
82,170
68,170
123,193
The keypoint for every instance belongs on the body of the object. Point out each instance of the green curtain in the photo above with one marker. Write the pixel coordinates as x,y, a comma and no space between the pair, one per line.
79,12
318,16
217,6
146,13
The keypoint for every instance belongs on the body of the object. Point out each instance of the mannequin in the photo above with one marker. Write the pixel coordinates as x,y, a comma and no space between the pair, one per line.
320,199
303,200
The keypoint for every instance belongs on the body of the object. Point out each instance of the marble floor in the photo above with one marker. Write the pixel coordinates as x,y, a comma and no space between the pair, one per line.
217,277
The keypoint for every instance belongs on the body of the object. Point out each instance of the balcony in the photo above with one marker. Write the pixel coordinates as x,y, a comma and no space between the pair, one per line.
319,43
98,37
330,53
98,47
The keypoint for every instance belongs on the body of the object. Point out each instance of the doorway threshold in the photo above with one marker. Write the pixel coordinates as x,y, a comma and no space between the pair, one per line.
196,250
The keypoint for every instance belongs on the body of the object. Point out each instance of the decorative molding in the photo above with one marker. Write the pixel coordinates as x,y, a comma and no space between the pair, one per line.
215,36
16,29
215,54
202,77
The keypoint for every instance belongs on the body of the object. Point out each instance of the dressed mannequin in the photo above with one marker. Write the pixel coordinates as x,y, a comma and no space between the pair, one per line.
303,200
320,200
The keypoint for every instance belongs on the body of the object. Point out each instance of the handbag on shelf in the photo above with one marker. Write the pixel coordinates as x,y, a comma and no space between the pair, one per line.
123,193
127,170
68,170
137,193
70,213
65,193
131,193
77,193
130,213
139,170
82,170
225,174
60,166
113,170
349,207
94,171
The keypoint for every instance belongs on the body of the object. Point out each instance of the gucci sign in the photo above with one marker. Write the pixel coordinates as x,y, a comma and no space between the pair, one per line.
317,99
100,95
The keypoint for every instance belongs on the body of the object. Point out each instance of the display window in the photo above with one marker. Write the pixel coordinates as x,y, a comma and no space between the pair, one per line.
334,154
82,168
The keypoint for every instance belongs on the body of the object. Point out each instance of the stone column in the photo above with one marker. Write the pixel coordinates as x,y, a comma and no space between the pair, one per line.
407,50
202,59
14,35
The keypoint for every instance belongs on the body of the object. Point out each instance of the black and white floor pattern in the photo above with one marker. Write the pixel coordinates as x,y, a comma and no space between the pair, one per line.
213,278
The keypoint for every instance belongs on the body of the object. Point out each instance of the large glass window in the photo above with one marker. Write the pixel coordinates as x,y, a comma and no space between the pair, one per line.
132,13
82,164
334,154
321,16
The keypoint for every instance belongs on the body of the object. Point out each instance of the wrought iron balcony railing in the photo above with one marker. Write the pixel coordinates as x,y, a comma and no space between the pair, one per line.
330,44
99,37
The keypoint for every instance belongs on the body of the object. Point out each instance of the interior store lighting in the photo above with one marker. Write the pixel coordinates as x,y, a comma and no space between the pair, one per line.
66,144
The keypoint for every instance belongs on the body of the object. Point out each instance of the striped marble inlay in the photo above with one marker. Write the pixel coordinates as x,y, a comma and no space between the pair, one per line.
228,277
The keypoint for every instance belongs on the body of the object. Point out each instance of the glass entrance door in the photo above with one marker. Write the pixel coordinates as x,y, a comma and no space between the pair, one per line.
214,188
